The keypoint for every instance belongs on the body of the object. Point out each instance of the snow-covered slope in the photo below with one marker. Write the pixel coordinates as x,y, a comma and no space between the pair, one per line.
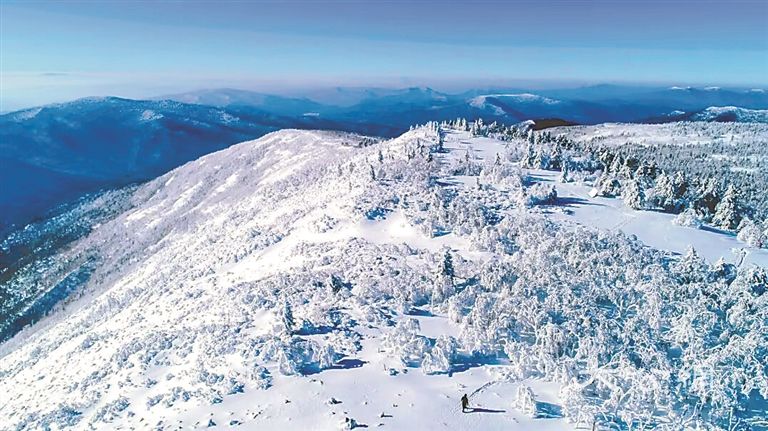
56,153
307,279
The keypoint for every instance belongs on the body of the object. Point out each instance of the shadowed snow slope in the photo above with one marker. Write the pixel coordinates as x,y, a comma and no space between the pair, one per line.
313,280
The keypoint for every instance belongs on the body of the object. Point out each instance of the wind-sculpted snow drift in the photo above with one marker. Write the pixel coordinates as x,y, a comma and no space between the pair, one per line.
309,278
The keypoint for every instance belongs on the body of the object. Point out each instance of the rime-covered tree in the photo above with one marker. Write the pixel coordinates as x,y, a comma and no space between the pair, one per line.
555,158
529,157
446,265
691,267
443,283
727,213
706,197
633,195
664,192
286,316
750,233
680,189
564,173
644,176
525,401
607,185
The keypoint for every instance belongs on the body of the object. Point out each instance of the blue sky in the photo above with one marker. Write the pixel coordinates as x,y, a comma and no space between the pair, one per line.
60,50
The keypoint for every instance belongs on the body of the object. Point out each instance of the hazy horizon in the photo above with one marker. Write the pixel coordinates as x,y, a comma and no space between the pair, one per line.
141,49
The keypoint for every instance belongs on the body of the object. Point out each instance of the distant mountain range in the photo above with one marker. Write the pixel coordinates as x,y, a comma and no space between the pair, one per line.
398,109
56,153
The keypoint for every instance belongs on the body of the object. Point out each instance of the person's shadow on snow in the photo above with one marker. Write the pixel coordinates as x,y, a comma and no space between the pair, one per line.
482,410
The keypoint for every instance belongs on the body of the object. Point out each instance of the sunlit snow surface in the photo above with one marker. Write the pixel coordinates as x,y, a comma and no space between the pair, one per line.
167,333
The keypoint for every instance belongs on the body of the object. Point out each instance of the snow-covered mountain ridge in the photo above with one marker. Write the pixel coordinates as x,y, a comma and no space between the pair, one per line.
307,277
732,113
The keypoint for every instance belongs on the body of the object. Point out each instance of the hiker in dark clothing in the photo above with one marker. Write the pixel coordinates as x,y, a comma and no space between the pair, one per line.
464,403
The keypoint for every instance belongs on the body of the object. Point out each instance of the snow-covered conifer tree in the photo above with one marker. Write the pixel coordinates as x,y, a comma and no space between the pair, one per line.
529,157
443,284
607,185
286,317
692,268
727,213
680,188
555,158
564,174
664,192
633,195
706,197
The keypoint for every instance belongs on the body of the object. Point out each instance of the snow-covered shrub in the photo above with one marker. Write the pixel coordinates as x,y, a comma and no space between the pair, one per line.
540,194
525,401
466,165
405,343
522,359
111,410
482,329
502,174
460,304
691,268
688,218
61,416
608,186
466,215
260,377
348,424
439,359
751,234
296,356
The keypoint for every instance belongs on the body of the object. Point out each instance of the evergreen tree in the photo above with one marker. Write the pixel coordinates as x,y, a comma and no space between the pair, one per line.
692,268
556,158
446,265
706,197
529,157
727,213
644,176
633,195
721,270
443,287
286,317
664,192
539,160
607,185
564,174
680,188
